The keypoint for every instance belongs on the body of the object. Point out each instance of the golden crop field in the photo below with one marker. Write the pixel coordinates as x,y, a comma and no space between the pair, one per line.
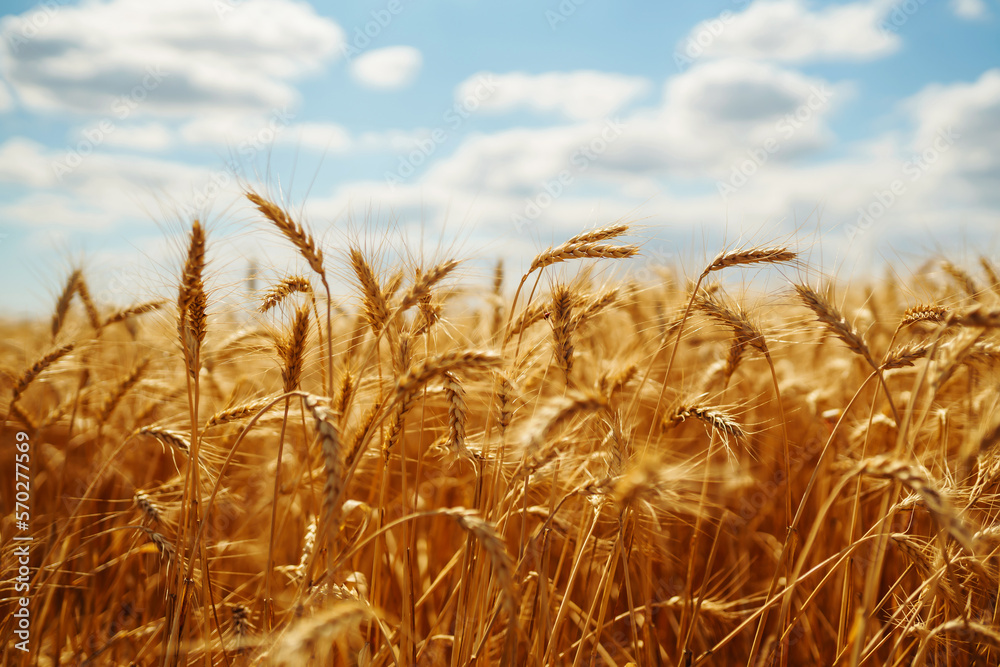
556,469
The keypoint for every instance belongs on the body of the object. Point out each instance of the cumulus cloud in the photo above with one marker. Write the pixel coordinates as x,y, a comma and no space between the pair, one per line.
576,95
709,117
791,31
221,130
387,68
115,186
147,136
125,57
967,115
319,137
6,102
24,162
765,125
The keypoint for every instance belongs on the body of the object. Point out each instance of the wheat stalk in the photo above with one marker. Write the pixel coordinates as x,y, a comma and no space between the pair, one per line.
568,252
425,282
313,255
167,437
191,300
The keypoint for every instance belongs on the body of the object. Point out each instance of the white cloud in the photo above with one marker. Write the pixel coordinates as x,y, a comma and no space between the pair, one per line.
387,68
709,117
24,162
241,132
668,159
790,31
970,114
48,210
576,95
6,101
587,172
116,187
319,137
969,9
248,135
125,57
391,140
147,136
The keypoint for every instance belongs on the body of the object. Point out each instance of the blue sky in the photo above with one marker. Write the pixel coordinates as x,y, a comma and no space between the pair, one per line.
869,128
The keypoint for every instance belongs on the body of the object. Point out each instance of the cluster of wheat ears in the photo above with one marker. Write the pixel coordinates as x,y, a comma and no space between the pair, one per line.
635,474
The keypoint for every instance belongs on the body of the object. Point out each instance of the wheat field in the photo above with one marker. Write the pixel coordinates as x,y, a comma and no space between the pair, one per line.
552,469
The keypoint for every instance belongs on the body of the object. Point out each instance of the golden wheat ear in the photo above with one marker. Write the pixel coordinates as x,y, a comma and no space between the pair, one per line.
283,289
923,313
292,231
37,368
375,305
292,350
63,302
134,311
775,255
192,300
834,322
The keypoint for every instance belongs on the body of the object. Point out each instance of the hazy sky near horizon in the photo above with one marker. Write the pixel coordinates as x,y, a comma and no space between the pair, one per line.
869,128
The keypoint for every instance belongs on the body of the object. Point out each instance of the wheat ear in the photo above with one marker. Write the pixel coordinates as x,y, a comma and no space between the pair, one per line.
330,446
62,304
719,420
419,375
563,326
961,277
281,291
425,282
236,413
119,392
944,515
375,305
584,245
36,369
132,311
191,300
293,231
93,316
313,255
923,313
751,257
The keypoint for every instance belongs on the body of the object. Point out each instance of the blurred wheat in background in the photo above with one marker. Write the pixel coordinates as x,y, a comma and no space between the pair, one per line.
575,470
